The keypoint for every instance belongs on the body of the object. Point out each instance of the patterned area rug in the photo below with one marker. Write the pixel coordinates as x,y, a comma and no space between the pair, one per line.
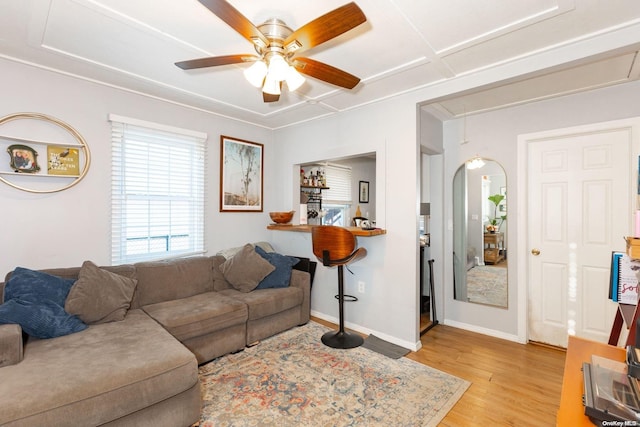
293,379
487,285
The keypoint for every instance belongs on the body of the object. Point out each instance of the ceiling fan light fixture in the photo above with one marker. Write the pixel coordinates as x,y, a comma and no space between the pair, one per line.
475,163
256,73
278,67
271,85
294,78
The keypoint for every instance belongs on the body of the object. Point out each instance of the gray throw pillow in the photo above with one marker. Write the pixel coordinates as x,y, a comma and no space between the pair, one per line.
246,269
100,296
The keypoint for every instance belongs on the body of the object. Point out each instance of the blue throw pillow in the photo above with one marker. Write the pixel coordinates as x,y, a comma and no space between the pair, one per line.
35,301
281,276
41,320
31,285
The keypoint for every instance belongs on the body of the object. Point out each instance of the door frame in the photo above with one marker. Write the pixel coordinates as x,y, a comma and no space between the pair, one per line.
522,273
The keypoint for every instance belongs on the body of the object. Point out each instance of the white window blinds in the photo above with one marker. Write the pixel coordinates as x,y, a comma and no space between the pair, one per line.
157,205
339,183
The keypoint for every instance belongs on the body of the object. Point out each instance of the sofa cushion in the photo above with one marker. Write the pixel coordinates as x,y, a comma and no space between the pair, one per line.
35,301
230,252
106,372
160,281
265,302
99,296
246,269
281,276
219,282
198,315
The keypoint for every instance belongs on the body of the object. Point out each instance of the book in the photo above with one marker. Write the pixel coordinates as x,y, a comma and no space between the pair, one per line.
63,160
624,280
614,278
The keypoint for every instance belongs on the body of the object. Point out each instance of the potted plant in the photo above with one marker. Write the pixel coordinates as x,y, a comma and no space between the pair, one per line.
496,222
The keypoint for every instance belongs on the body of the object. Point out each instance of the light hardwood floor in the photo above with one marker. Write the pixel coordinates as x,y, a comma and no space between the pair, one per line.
511,384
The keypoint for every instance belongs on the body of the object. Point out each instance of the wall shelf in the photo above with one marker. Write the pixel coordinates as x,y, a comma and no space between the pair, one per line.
65,157
314,202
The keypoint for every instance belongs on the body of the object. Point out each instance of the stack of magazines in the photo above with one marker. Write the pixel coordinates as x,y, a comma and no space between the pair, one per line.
611,391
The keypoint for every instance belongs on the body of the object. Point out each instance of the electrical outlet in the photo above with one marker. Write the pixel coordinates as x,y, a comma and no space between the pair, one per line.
361,287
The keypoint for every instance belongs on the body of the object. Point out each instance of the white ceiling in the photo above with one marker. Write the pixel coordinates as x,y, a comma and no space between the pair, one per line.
405,45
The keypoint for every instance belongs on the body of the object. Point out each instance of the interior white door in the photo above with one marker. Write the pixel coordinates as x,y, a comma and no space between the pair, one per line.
579,198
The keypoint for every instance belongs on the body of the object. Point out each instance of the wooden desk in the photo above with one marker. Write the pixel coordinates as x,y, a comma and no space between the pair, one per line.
356,231
579,350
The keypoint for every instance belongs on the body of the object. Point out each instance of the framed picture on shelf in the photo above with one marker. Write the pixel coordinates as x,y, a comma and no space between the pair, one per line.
241,175
364,192
63,160
24,159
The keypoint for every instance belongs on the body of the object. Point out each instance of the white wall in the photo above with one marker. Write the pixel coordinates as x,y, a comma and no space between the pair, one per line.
66,228
390,271
494,135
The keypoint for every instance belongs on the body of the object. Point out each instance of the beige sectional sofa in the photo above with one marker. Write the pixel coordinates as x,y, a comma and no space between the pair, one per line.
142,370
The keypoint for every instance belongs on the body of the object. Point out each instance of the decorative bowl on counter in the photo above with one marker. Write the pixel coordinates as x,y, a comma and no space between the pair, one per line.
281,217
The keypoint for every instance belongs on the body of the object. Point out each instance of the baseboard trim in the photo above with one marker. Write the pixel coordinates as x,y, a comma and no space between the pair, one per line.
366,331
483,331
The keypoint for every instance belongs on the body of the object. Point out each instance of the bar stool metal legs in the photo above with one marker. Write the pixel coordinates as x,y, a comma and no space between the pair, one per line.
341,338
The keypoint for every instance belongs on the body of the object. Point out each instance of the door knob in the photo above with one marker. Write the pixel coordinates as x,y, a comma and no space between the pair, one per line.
535,251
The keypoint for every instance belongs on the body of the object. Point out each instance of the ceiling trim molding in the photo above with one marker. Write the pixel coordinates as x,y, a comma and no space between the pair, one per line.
563,6
561,55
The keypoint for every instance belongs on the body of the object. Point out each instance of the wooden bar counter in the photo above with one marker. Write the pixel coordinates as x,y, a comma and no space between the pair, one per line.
571,412
356,231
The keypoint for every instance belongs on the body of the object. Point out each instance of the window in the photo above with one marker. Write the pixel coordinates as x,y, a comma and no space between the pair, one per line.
157,197
336,201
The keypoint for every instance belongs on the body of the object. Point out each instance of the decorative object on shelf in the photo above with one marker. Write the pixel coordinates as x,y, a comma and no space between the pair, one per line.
364,192
281,217
24,159
63,160
241,175
314,177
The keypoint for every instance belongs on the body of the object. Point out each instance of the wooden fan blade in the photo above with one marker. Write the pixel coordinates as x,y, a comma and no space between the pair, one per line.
326,27
324,72
267,97
235,20
215,60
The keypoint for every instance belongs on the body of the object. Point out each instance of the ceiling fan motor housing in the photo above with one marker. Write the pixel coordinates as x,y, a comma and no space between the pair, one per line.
276,31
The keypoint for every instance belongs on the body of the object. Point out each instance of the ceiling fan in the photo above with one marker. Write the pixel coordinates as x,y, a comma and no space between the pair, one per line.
277,47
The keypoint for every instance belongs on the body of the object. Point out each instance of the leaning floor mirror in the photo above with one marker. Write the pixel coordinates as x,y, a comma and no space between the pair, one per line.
480,233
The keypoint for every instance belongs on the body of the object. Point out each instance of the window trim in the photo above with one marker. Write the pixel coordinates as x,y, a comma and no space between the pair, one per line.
196,143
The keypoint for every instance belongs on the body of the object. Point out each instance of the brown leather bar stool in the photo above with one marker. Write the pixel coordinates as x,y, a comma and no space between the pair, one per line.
336,246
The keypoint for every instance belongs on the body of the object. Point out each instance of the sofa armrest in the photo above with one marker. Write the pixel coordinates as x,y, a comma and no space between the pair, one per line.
302,280
11,345
305,264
